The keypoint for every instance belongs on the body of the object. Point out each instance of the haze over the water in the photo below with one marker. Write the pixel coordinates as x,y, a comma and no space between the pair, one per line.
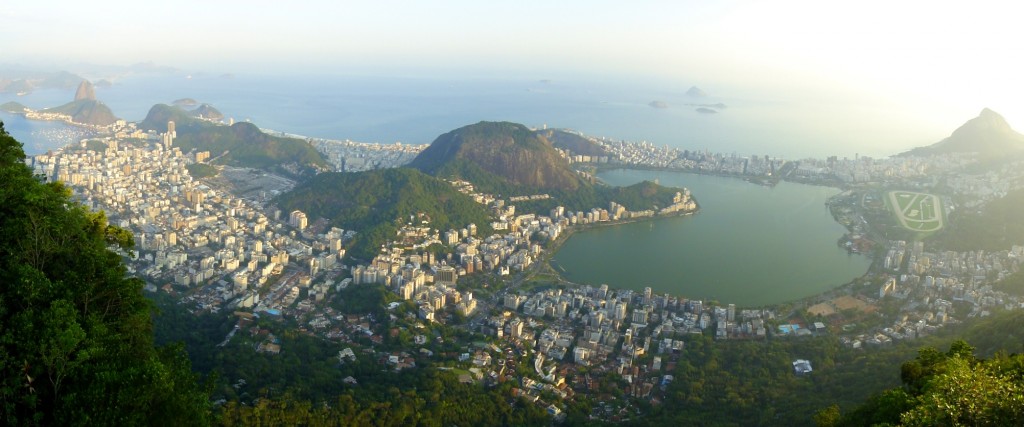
879,76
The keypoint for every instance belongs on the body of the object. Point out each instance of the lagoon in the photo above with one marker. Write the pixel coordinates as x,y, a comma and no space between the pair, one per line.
750,244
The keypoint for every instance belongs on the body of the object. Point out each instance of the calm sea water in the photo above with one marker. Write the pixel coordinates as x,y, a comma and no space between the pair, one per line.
38,136
750,245
417,110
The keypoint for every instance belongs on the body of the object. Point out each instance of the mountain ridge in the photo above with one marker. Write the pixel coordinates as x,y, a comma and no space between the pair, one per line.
85,91
988,134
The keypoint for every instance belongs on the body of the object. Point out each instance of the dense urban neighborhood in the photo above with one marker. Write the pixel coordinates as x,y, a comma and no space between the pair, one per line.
217,244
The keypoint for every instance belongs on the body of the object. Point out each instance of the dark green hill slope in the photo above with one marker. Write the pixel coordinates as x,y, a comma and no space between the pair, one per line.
375,203
245,144
499,156
996,225
76,337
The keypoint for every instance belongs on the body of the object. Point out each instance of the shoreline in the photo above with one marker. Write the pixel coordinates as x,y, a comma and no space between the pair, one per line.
65,120
757,180
556,245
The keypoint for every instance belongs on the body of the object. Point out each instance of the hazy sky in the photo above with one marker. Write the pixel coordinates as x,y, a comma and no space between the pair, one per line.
950,58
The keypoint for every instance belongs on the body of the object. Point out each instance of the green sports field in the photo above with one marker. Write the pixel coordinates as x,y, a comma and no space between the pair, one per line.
921,212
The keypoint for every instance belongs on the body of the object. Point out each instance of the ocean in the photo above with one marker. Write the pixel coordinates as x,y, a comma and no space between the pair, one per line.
416,110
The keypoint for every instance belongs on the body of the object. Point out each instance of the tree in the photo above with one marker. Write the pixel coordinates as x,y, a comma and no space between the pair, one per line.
76,339
951,388
968,394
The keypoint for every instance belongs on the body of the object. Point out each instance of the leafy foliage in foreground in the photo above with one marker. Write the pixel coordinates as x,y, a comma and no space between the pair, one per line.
951,388
76,339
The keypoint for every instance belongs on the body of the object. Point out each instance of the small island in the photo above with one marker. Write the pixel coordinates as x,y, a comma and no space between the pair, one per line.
658,104
696,92
706,110
185,102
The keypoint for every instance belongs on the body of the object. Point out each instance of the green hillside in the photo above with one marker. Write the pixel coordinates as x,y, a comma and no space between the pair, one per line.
244,143
375,203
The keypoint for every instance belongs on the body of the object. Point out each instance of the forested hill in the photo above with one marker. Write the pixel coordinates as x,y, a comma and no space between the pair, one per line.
499,157
376,202
76,337
244,143
509,159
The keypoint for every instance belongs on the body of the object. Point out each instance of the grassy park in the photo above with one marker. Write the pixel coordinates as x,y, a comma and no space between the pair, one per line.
918,212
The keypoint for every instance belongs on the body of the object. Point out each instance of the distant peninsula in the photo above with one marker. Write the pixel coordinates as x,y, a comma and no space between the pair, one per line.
23,82
13,107
85,108
705,110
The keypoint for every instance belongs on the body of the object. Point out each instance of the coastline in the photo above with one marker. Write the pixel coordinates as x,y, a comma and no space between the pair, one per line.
550,267
753,179
554,245
62,118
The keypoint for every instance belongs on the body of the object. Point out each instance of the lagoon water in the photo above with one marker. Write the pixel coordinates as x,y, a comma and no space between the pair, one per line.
750,245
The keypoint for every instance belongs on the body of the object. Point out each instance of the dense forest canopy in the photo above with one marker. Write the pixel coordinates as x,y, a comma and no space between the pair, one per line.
76,334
